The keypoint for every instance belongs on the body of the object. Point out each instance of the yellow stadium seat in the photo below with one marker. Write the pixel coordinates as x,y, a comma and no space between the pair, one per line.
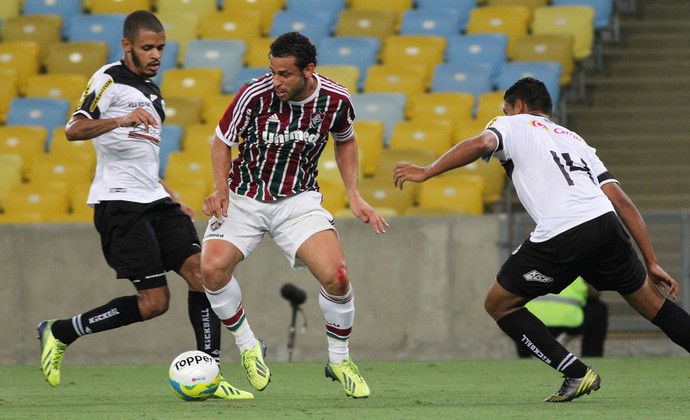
182,166
11,167
197,140
21,56
257,51
369,135
79,210
361,22
416,135
468,129
391,157
410,80
60,146
382,194
530,4
10,8
191,192
419,50
31,203
397,6
180,27
198,8
60,86
25,141
82,58
344,75
513,21
238,24
45,30
577,21
441,106
492,173
489,106
461,194
334,194
214,107
265,8
547,47
118,6
183,110
195,82
69,170
328,167
9,89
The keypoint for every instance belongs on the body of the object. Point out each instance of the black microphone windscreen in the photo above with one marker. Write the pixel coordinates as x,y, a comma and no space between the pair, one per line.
293,294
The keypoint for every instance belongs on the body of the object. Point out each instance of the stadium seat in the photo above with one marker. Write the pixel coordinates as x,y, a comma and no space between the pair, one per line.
548,72
369,23
454,107
31,203
390,157
79,211
182,166
64,8
403,78
11,167
387,107
308,23
9,9
58,86
191,82
397,6
183,110
530,4
370,143
169,61
547,47
186,8
197,139
181,28
257,52
22,57
26,141
266,9
63,148
101,27
82,58
414,50
248,73
434,22
416,135
191,192
489,106
459,194
68,170
214,108
9,89
468,77
461,7
240,24
118,6
331,7
382,194
510,20
603,11
494,177
171,141
45,30
334,194
360,51
577,21
224,54
45,112
491,49
347,76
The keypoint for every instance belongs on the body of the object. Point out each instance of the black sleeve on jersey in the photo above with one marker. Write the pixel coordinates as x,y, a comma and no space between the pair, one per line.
606,176
499,147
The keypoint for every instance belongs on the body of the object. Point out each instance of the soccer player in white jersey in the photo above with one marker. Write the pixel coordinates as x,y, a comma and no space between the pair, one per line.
144,230
576,204
280,123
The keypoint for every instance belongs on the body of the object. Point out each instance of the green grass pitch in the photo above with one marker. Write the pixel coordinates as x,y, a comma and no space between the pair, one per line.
632,388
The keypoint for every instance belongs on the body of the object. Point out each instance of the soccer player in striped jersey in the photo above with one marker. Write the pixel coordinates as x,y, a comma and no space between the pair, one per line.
280,124
576,204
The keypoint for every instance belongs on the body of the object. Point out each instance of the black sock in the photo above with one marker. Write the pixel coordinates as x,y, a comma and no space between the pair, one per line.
114,314
527,330
205,323
675,322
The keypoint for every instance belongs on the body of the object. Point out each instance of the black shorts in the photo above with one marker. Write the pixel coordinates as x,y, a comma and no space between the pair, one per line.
598,250
144,240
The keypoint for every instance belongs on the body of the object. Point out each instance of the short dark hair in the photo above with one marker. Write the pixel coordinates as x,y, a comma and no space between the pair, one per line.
294,44
141,19
532,92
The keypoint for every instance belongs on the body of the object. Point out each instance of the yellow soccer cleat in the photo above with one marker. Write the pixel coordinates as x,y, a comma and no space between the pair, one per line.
226,391
258,373
576,387
348,375
52,351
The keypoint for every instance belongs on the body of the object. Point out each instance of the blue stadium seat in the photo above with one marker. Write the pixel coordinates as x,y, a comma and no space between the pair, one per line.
171,141
44,112
331,7
473,78
65,8
224,54
246,74
309,23
358,51
386,107
478,48
603,10
462,7
100,27
546,71
432,21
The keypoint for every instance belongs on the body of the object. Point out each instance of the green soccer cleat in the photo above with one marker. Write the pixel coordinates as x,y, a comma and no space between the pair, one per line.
52,351
576,387
258,373
226,391
348,375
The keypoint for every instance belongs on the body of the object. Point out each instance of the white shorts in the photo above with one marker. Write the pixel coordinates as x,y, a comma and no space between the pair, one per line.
289,222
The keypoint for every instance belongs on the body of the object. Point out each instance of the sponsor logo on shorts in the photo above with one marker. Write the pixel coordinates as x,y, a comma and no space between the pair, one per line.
534,275
215,235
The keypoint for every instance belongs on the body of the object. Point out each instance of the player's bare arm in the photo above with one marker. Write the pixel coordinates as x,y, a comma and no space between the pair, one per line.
80,127
633,221
346,156
216,204
459,155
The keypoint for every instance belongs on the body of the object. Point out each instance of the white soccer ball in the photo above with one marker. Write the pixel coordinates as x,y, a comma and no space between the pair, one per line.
194,375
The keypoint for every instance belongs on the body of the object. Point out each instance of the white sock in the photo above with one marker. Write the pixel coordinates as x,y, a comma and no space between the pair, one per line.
227,304
339,314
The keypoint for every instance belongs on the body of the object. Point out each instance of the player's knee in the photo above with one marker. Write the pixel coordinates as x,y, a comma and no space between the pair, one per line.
339,281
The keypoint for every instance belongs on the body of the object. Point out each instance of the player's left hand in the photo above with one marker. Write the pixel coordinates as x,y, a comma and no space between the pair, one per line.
364,212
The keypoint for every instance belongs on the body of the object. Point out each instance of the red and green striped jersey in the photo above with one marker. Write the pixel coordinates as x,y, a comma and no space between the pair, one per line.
279,143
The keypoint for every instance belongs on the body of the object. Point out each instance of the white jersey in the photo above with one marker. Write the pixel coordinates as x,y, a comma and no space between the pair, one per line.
557,176
128,157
